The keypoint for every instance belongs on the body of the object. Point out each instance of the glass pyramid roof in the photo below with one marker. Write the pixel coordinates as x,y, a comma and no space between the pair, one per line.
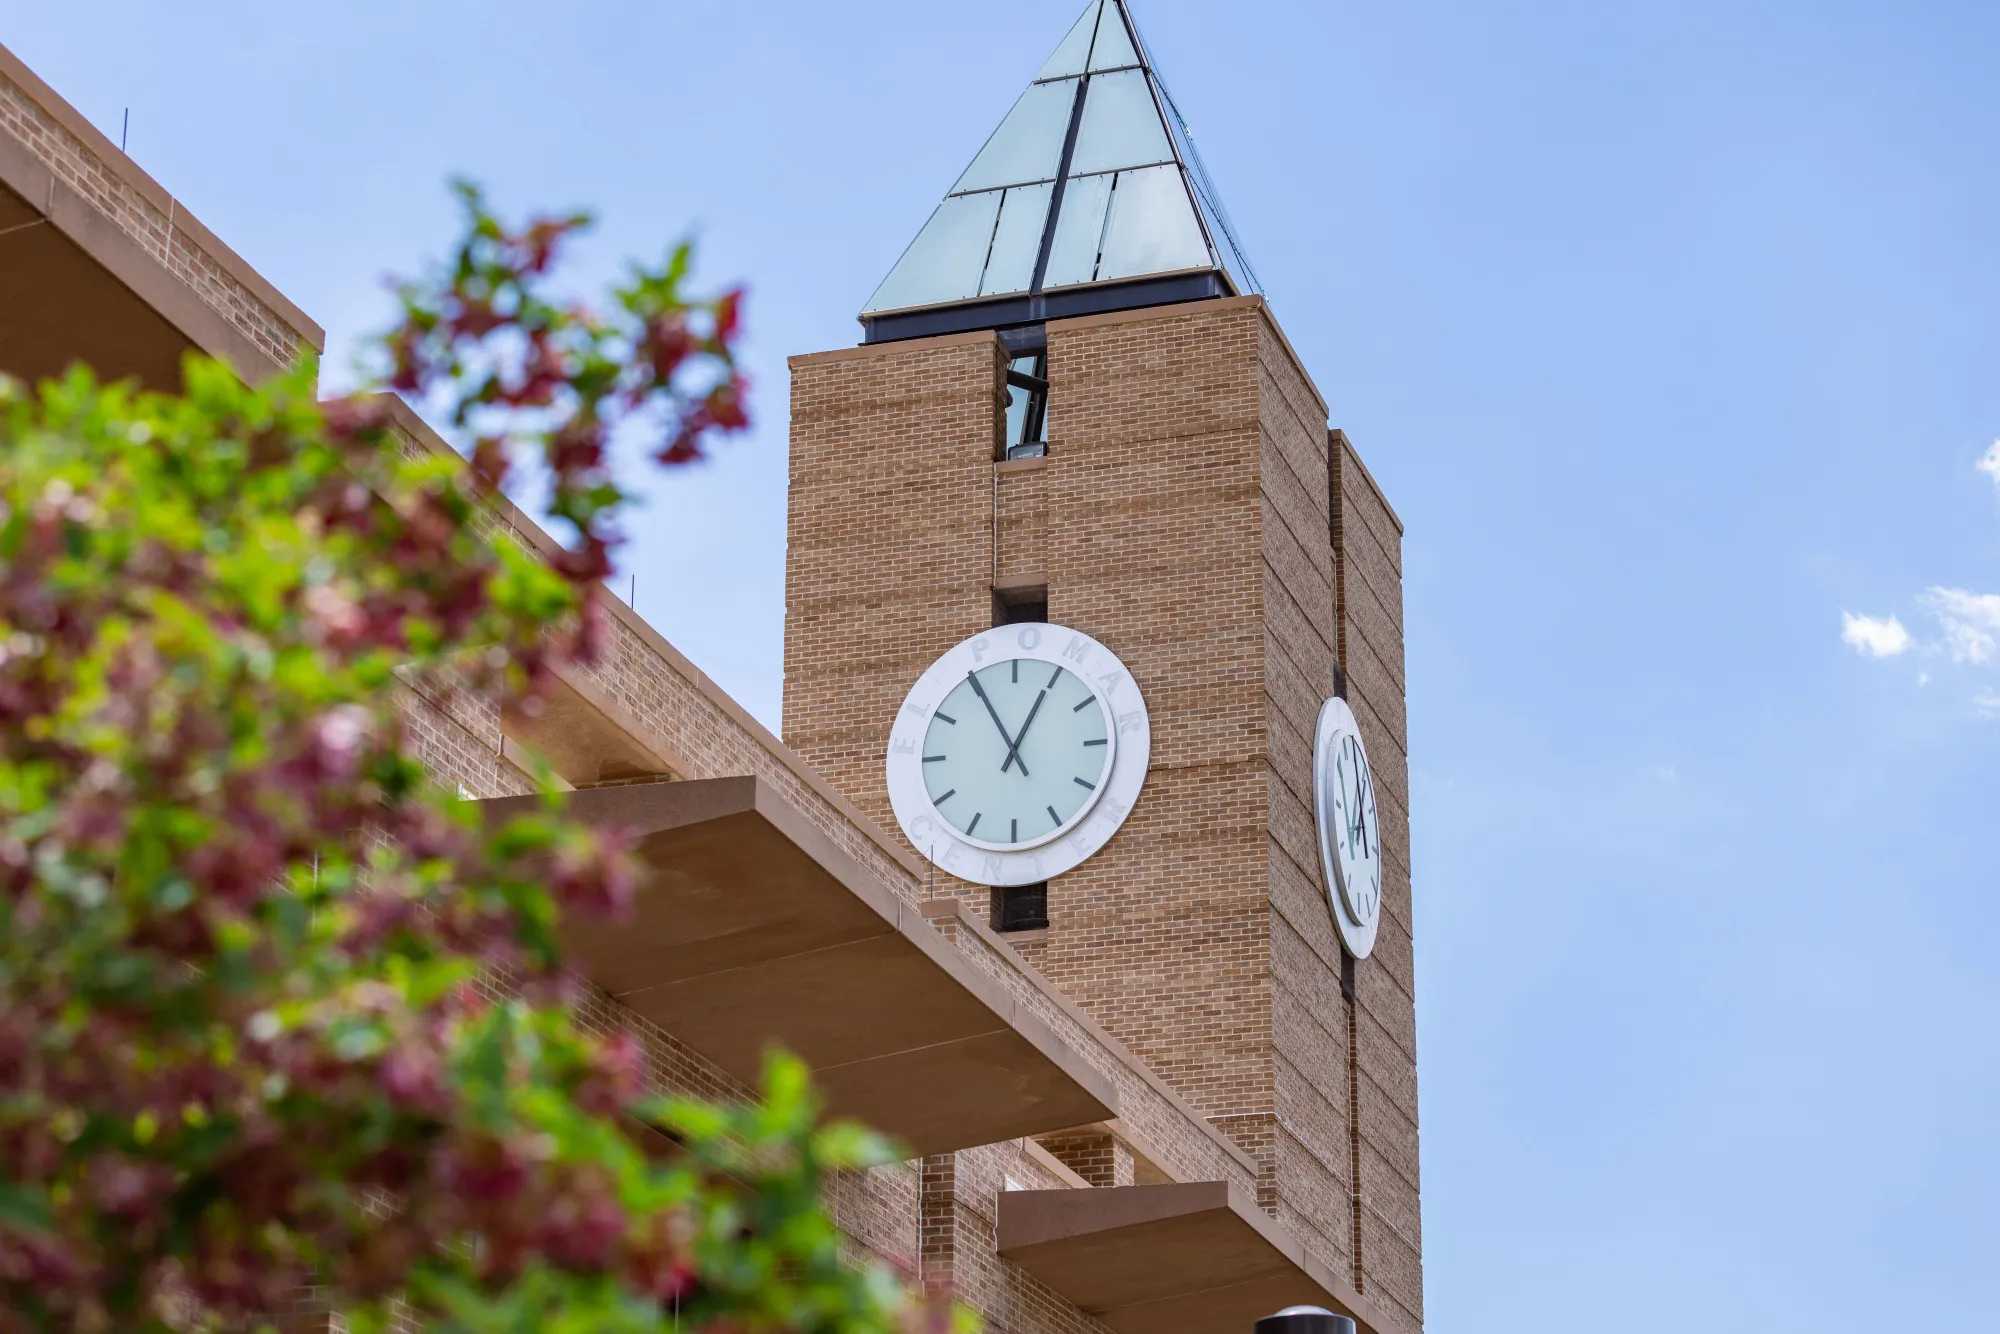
1091,178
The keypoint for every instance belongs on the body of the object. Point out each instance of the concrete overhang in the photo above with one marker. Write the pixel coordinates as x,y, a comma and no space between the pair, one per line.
58,306
751,928
587,737
1191,1258
76,286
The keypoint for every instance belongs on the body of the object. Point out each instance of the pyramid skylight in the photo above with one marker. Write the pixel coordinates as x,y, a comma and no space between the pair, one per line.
1091,179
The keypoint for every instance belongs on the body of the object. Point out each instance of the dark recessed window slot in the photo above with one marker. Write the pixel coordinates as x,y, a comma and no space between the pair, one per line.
1020,606
1021,907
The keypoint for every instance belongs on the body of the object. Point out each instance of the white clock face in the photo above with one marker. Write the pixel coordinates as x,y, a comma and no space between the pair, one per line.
1018,754
1350,841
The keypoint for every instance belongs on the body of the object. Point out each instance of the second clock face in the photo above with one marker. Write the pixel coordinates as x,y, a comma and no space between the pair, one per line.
1350,835
1016,753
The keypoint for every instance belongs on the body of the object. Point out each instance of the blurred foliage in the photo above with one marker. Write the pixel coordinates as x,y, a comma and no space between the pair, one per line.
277,1010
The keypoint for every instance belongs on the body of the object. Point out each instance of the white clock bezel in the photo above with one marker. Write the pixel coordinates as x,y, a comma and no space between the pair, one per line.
1336,723
1129,727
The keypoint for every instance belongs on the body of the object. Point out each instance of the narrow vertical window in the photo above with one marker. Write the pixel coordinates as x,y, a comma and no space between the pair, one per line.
1027,405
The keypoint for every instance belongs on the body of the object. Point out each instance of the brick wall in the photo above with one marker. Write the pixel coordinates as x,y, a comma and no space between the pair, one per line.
1099,1158
961,1233
890,558
930,1219
1368,543
1196,516
933,1217
1154,549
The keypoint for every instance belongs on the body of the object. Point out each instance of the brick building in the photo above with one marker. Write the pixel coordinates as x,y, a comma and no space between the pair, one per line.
1149,1083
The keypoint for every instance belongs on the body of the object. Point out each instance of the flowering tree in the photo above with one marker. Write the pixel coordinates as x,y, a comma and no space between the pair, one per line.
251,1039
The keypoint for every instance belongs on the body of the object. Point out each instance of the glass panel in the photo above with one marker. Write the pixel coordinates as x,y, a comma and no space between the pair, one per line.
944,262
1074,52
1151,227
1017,411
1121,126
1114,47
1073,255
1024,410
1234,262
1017,240
1221,232
1028,144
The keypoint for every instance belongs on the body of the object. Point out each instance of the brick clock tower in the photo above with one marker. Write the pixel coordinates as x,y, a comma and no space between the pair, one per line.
1076,567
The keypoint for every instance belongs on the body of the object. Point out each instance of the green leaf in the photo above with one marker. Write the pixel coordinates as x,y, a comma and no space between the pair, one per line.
25,1208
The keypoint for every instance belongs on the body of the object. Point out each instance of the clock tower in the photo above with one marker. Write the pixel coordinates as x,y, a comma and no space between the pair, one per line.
1074,418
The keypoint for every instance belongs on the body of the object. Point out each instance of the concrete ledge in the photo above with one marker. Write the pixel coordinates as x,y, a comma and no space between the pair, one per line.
75,287
130,174
1191,1258
752,929
589,738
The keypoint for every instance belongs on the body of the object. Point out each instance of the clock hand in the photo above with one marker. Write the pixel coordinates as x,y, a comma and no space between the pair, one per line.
994,714
1362,795
1014,751
1354,807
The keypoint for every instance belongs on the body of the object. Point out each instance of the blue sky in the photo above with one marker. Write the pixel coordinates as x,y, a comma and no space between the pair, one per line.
1669,328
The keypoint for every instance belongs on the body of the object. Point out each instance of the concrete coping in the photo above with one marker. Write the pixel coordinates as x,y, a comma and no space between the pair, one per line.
1188,1258
130,174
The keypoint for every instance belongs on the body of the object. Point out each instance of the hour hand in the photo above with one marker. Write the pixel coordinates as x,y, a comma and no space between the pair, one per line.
994,714
1014,751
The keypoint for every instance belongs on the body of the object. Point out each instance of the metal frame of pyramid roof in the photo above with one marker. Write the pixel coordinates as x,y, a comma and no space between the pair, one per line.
1089,197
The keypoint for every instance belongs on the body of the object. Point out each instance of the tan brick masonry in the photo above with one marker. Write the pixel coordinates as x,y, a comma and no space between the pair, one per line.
1195,514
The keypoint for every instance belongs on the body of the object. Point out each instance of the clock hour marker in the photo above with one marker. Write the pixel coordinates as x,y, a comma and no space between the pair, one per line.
1100,741
1054,677
1013,831
945,718
1080,783
975,822
1053,817
1017,672
1088,701
933,759
947,797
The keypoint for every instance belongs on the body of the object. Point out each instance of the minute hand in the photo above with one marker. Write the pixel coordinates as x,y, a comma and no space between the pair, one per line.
1014,751
994,714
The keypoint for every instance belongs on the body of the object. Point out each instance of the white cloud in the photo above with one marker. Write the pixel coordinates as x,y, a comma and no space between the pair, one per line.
1874,636
1968,625
1970,620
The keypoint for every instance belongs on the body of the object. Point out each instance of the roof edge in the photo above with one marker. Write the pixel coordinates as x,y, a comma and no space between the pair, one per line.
1261,304
74,123
126,261
1353,452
